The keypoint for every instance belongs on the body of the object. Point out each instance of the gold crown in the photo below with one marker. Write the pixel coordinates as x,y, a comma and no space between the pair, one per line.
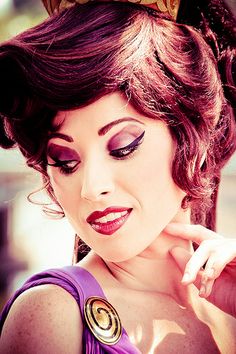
170,7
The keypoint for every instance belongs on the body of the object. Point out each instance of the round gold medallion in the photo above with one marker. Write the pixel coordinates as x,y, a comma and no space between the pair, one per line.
103,320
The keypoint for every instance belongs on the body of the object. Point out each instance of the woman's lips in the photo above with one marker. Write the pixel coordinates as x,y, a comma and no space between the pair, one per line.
110,220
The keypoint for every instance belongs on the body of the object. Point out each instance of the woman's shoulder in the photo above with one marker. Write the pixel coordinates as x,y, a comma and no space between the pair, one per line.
45,317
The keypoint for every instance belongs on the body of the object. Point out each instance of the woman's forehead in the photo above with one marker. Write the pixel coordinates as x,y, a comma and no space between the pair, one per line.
111,107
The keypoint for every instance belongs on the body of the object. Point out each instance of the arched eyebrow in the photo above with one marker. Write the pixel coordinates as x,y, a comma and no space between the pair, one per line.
102,131
61,136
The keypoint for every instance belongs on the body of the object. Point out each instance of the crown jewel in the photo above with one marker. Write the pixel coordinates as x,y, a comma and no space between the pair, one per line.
170,7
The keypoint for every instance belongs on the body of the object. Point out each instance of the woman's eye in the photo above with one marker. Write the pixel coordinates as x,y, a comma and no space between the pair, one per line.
128,149
66,167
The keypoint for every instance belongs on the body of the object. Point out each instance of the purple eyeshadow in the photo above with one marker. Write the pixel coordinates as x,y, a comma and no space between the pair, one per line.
61,153
125,137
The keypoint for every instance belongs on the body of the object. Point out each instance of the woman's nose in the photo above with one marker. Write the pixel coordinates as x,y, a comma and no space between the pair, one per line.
97,181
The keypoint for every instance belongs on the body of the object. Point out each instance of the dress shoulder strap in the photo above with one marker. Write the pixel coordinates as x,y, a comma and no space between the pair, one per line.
97,338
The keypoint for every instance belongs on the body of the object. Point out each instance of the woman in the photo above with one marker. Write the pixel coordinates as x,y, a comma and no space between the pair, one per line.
123,113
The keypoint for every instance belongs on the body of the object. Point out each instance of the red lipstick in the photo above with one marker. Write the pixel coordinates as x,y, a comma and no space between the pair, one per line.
110,226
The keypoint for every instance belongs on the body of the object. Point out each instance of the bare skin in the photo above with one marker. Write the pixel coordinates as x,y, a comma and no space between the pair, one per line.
163,316
165,322
51,323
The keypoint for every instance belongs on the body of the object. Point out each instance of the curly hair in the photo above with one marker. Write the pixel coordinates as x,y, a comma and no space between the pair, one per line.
165,69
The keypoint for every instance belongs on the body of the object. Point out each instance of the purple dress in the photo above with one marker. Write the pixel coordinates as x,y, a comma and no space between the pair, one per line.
102,332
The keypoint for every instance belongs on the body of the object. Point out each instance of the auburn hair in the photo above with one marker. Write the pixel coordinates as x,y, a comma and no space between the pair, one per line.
165,69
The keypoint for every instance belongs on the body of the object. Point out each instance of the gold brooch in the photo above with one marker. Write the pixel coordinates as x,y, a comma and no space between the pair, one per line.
103,320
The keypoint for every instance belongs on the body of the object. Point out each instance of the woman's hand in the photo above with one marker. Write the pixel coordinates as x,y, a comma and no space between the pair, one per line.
212,267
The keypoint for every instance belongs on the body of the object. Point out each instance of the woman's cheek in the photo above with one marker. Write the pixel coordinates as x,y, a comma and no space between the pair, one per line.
58,186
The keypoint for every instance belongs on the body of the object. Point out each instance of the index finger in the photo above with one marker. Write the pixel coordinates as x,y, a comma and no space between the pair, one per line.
196,233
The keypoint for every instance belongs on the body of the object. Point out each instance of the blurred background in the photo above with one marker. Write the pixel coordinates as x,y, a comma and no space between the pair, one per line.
29,240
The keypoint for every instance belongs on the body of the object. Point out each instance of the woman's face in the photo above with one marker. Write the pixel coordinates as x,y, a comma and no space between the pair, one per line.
107,155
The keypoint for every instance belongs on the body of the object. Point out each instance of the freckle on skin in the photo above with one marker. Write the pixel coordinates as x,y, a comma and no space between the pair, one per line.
31,318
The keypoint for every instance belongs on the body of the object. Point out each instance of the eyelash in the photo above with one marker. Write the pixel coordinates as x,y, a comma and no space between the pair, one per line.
63,166
119,154
128,150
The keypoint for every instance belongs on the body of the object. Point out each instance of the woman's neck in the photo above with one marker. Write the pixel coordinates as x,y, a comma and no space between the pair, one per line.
154,269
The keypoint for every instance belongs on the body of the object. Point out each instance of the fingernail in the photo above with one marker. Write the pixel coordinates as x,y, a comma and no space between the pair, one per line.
202,290
208,288
186,278
204,279
210,272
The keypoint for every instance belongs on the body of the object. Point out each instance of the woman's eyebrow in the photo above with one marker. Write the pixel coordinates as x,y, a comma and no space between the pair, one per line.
107,127
101,131
61,136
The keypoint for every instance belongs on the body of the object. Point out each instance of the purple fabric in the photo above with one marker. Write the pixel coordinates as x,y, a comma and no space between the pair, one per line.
81,285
